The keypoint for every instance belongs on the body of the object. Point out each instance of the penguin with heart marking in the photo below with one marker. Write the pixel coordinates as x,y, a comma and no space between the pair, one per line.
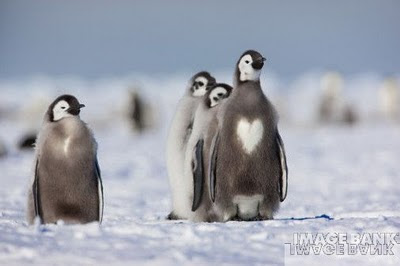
249,170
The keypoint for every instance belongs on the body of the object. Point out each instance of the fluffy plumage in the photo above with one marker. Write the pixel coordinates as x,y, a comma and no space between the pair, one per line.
204,129
67,184
179,134
248,156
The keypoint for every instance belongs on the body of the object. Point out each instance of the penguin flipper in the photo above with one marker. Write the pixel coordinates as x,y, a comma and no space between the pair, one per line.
100,189
198,178
283,181
35,190
212,166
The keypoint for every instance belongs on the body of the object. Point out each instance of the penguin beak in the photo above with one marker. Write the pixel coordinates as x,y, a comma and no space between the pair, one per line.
75,110
259,63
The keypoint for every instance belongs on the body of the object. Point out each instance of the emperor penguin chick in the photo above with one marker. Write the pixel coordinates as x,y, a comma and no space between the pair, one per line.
390,99
198,154
249,162
178,137
67,182
3,149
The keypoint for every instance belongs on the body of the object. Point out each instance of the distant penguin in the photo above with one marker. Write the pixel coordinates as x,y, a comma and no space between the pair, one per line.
333,107
27,141
29,115
178,137
389,96
198,154
3,149
350,116
67,182
249,161
137,111
331,100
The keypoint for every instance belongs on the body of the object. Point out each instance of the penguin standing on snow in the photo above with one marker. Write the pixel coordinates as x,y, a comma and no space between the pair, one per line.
198,154
67,183
139,112
390,99
332,107
27,142
3,149
178,137
249,162
136,111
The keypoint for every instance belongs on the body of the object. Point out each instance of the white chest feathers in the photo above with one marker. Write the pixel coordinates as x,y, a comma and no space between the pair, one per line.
67,142
249,134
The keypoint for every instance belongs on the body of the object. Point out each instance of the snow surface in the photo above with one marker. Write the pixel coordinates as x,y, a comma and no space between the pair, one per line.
350,174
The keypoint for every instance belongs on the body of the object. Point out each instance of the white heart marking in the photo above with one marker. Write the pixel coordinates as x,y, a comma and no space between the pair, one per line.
250,134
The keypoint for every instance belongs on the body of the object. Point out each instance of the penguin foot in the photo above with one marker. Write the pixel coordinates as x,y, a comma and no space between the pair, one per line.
237,219
254,219
262,218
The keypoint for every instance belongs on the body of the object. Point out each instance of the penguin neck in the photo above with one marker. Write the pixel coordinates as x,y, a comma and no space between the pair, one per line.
243,88
70,126
189,94
238,83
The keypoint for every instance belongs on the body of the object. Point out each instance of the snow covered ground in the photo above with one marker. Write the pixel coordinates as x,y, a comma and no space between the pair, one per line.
350,175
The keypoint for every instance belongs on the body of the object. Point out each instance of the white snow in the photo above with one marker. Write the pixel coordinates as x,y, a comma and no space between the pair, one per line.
350,174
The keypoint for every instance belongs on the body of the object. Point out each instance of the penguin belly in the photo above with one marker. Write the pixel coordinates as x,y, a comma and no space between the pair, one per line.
68,191
249,170
248,206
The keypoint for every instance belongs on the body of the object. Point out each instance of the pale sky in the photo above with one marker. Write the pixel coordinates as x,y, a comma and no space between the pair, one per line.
100,38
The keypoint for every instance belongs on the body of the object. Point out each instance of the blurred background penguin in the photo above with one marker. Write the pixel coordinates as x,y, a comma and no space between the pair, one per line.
139,113
333,107
389,99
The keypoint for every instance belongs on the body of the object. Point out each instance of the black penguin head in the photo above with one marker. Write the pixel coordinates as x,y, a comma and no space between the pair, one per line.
64,106
249,66
201,83
217,93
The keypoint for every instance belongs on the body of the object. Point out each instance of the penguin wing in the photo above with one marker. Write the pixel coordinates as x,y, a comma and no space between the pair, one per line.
283,181
100,189
212,166
35,190
198,178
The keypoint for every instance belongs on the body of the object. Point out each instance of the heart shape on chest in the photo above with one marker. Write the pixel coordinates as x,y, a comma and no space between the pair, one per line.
250,134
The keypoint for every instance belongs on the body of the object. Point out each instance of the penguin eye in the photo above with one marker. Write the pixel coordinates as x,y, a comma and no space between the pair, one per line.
220,94
62,107
247,61
201,83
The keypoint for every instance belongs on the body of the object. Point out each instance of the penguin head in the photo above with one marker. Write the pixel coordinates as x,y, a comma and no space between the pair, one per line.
64,106
217,93
201,83
249,66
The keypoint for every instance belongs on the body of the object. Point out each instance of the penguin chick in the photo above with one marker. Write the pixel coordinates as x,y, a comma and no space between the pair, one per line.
198,154
140,113
179,133
249,161
389,96
27,142
3,149
332,107
67,182
136,111
331,98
